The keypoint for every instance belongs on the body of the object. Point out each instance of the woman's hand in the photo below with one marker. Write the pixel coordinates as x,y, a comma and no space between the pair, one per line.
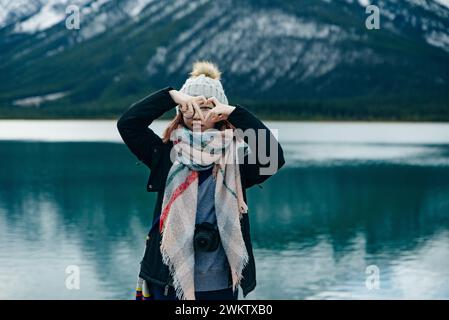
188,104
219,112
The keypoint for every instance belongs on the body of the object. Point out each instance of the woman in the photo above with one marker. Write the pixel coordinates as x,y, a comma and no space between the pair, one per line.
199,245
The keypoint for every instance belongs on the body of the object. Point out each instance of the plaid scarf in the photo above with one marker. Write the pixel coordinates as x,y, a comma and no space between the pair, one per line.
194,151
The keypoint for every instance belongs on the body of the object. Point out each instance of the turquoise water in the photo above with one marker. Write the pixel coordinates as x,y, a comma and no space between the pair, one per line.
350,196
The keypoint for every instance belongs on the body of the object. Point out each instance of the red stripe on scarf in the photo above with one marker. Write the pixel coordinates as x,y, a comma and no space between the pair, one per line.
179,190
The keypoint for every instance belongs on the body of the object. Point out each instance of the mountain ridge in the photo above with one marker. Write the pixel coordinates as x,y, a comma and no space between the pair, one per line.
315,58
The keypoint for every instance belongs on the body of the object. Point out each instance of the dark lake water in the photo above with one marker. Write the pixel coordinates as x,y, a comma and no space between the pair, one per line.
342,206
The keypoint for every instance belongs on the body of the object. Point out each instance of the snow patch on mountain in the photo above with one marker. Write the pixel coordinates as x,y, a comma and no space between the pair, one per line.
46,18
37,101
49,13
438,39
11,11
267,45
364,3
443,2
135,7
41,15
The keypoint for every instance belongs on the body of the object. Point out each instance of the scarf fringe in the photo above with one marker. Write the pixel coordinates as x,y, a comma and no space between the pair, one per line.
180,294
237,276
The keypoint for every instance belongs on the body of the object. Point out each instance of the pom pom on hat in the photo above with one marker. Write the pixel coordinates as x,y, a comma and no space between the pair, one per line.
204,80
207,68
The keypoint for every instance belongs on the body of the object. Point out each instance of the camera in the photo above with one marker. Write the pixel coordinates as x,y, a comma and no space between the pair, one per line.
206,237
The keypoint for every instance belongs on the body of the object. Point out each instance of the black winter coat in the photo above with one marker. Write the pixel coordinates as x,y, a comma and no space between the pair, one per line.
149,148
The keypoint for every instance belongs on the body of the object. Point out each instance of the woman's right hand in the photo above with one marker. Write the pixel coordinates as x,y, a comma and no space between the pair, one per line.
188,104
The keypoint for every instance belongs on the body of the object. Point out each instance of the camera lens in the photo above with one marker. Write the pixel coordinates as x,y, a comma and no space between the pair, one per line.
206,238
202,242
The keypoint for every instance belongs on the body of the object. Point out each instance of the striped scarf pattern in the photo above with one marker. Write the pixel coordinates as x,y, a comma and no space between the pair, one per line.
194,151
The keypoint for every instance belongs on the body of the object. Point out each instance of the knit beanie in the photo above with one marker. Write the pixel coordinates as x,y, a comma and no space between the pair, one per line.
204,80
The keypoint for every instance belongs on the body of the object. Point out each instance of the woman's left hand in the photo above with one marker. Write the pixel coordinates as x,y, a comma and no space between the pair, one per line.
219,112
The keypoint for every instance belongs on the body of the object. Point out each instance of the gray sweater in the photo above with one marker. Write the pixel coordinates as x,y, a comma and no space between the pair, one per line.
212,270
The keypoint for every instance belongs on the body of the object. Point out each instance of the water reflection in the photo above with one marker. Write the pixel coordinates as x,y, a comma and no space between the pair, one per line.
314,228
324,225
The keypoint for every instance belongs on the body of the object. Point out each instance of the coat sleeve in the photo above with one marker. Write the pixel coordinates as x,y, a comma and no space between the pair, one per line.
133,124
273,157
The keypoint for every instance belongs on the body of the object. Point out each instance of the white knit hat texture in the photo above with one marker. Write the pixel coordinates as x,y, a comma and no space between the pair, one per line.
203,85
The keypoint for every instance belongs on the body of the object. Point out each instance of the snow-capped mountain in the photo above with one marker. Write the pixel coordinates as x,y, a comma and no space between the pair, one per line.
268,50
